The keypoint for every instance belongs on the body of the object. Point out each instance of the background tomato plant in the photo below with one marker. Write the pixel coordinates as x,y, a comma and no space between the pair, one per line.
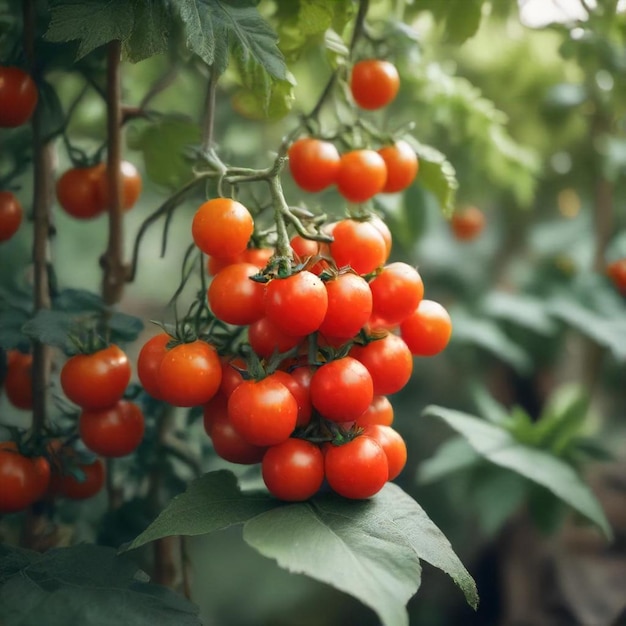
530,383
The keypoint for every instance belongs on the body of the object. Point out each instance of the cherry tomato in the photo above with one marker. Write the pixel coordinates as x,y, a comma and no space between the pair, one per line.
300,389
349,305
467,223
265,337
263,412
616,271
18,97
427,330
306,249
402,166
149,362
342,389
383,229
19,380
78,192
116,431
98,380
374,83
256,256
389,362
131,185
190,374
231,374
10,215
234,298
86,487
392,443
362,174
359,245
296,304
357,469
22,480
396,292
380,411
313,163
222,227
217,405
293,470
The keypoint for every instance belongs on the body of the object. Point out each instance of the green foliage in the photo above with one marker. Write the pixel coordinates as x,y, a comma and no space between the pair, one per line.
499,446
460,19
384,538
62,586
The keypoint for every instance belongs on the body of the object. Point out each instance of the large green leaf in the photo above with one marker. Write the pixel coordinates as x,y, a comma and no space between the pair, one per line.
87,585
451,456
50,327
213,502
500,447
520,309
369,549
460,18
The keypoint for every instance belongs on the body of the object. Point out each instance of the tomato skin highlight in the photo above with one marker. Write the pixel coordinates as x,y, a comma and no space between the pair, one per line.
402,166
349,306
98,380
342,389
427,330
392,443
263,412
222,227
234,297
293,470
113,432
362,174
313,163
190,374
18,383
396,292
131,185
374,83
18,97
78,192
296,304
359,245
149,362
357,469
11,214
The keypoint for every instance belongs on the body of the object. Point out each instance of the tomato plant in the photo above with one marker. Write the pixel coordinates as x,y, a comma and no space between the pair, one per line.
374,83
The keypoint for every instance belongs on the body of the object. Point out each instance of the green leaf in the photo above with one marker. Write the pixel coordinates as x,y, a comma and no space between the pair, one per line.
369,549
500,447
124,328
11,323
212,27
451,456
78,301
87,585
487,406
520,309
437,175
50,327
212,502
151,30
460,18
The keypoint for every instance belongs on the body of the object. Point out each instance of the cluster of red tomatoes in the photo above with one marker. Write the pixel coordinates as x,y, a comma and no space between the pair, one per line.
18,99
326,334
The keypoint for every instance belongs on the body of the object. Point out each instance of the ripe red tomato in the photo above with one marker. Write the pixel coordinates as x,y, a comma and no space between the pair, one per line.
396,292
10,215
427,330
467,223
342,389
19,380
357,469
256,256
616,271
265,337
392,443
306,249
98,380
300,389
234,298
149,362
190,374
231,374
293,470
131,185
313,163
222,227
359,245
383,229
78,192
296,304
18,97
22,480
402,166
380,411
374,83
389,362
362,174
91,483
116,431
263,412
349,306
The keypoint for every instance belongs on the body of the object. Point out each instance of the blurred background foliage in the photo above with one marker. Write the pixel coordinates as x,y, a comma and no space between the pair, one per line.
532,121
